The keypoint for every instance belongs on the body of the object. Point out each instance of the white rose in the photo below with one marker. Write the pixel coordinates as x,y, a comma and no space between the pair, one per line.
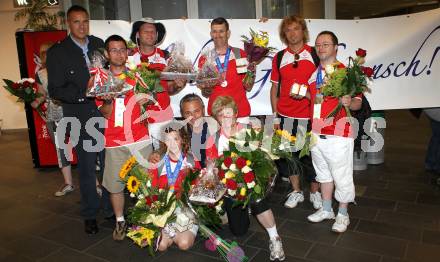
251,184
233,167
224,167
246,169
329,69
131,64
132,195
140,196
232,192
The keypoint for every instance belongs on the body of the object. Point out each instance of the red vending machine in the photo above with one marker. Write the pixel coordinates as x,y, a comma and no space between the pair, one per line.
28,49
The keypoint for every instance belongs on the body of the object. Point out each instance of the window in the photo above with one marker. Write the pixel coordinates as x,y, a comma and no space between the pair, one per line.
106,9
164,9
226,8
279,8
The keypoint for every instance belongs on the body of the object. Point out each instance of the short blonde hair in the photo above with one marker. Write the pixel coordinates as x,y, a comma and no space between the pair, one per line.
222,102
288,20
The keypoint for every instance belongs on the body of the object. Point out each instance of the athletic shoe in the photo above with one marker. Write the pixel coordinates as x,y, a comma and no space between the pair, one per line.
64,190
341,223
316,200
119,231
276,249
321,215
293,199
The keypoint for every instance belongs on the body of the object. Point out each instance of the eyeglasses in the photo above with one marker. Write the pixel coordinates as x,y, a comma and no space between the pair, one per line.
325,45
295,61
115,51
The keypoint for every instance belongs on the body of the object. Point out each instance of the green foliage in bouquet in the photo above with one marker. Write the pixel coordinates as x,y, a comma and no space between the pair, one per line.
352,80
147,80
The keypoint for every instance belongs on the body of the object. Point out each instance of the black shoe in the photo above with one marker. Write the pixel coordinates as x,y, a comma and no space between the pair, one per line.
90,226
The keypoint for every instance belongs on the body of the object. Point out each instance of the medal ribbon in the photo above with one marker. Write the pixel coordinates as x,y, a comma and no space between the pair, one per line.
172,176
222,68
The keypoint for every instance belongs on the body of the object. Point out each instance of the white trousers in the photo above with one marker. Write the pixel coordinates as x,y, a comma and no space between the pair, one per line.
332,159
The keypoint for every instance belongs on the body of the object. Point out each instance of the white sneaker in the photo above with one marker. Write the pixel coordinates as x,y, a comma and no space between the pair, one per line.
316,200
276,249
320,215
341,223
293,199
64,190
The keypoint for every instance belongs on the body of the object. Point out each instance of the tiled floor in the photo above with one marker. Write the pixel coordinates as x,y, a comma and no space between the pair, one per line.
397,216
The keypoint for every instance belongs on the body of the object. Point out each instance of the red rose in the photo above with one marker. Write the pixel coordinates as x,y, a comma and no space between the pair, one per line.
241,162
26,84
155,198
16,85
361,52
249,177
228,161
221,174
368,71
231,184
148,201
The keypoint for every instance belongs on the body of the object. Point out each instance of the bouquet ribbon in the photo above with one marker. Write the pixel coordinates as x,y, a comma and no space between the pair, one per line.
140,80
100,75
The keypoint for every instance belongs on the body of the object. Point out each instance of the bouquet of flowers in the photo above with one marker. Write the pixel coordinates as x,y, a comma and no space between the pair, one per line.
208,215
147,82
230,251
351,80
25,90
154,208
247,174
256,48
208,75
178,66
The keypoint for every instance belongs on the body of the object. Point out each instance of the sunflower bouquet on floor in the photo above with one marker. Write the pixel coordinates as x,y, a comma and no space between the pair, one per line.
351,80
154,208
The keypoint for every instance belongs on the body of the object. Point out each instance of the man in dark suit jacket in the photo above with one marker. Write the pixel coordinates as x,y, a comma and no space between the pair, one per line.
68,74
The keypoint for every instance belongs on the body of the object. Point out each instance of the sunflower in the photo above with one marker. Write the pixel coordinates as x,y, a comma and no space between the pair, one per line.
127,167
133,184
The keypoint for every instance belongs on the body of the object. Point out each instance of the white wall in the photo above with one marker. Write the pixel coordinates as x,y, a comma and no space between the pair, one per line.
11,112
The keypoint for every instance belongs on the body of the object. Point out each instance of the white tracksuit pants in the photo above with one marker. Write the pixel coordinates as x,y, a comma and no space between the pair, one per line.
332,159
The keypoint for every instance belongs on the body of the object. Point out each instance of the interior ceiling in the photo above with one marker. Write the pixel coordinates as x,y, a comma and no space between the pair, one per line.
349,9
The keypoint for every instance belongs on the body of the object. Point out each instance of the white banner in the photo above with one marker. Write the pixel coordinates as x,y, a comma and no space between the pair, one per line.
403,50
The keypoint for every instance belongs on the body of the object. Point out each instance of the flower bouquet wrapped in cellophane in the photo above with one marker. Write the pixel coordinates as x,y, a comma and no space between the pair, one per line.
256,48
208,219
147,83
247,168
26,91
